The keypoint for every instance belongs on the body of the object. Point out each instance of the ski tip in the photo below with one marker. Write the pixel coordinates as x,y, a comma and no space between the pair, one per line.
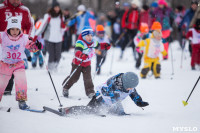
9,110
184,103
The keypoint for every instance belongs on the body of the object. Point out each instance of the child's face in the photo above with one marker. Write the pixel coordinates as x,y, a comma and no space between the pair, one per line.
14,32
100,35
88,38
157,34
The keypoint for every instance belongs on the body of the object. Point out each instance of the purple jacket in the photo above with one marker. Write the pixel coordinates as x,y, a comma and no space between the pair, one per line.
165,16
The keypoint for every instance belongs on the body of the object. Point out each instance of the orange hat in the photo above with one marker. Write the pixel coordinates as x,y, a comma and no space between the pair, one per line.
156,26
144,28
99,28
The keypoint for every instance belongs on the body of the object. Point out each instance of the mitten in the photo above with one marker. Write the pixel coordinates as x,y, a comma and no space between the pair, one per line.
39,45
105,46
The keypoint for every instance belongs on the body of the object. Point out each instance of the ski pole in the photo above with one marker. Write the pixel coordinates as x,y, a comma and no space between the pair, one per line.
112,58
172,60
183,46
98,67
51,79
72,73
186,102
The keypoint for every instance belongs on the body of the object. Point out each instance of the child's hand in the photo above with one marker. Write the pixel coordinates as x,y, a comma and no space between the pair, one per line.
83,56
105,46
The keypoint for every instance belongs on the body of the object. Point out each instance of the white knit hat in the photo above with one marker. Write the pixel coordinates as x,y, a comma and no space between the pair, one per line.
14,22
81,8
136,2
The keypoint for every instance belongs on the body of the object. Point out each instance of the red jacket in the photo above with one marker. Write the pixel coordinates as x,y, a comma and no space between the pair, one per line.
7,10
130,19
145,18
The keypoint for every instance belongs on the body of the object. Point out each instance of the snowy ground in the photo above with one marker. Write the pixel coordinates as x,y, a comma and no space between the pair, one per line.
165,114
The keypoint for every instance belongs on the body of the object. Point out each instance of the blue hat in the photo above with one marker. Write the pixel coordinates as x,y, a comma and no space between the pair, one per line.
86,31
126,4
154,4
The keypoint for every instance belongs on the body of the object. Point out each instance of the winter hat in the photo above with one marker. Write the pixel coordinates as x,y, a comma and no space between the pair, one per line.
145,7
144,28
156,26
126,4
55,3
129,80
81,8
154,4
117,3
14,22
100,29
194,2
162,2
86,31
136,2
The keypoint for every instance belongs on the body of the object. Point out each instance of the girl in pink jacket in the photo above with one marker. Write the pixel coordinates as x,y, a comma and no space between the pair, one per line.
13,43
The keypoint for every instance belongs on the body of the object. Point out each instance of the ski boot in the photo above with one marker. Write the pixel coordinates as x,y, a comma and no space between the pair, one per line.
23,105
65,93
91,95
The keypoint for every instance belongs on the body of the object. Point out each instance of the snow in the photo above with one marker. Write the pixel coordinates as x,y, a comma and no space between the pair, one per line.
165,114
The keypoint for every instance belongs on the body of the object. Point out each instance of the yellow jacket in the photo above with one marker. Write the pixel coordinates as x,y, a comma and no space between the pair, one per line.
152,48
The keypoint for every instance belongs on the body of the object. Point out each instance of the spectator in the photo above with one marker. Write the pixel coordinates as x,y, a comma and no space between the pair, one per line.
185,23
53,28
130,24
165,16
82,18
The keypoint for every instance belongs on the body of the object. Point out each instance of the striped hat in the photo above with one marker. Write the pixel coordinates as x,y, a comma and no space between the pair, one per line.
86,31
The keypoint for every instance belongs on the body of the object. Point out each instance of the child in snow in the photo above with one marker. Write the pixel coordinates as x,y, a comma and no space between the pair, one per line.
13,43
84,51
102,38
142,34
153,47
194,36
38,55
109,96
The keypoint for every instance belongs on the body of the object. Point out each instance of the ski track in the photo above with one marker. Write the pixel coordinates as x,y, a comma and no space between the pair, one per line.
164,95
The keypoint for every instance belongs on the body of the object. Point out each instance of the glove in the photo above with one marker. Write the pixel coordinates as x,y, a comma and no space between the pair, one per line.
105,46
84,56
142,104
29,58
79,54
138,50
39,45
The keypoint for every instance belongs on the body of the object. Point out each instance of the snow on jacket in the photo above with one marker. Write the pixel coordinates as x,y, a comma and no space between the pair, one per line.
85,48
7,10
12,49
130,19
164,16
81,21
53,29
194,36
111,90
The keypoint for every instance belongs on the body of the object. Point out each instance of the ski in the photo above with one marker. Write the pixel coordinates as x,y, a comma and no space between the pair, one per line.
53,111
35,110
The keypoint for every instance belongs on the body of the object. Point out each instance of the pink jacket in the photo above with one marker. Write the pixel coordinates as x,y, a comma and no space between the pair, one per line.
12,49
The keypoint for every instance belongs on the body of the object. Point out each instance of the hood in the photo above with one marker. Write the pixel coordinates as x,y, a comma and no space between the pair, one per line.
7,3
81,38
14,38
